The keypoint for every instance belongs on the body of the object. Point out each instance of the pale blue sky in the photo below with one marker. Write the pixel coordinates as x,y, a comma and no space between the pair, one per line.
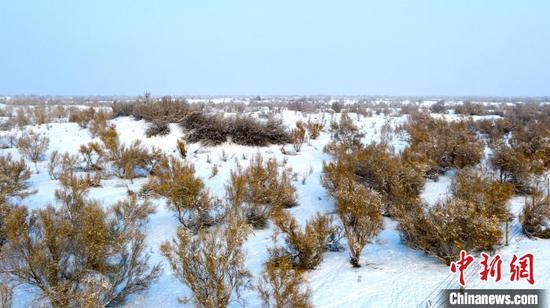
255,47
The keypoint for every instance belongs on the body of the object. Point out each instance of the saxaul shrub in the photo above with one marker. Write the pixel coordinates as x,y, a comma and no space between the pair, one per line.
448,227
304,248
162,112
59,163
109,246
282,286
33,146
215,129
185,193
374,166
211,263
182,148
82,116
535,216
260,189
345,131
442,145
314,128
298,136
359,210
157,128
14,177
488,195
470,219
93,156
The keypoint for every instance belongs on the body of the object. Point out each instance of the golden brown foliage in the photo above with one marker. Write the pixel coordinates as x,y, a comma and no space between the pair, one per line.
80,257
439,145
282,286
185,194
359,209
535,216
33,146
304,248
210,263
298,136
314,128
260,189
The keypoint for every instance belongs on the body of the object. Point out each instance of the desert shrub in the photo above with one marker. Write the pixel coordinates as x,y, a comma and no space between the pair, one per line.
535,216
345,131
58,163
359,210
22,117
82,116
282,286
98,122
131,160
110,140
449,227
135,160
40,115
469,109
470,219
260,189
165,111
489,196
337,106
442,145
298,136
210,263
438,107
33,146
85,257
93,156
304,248
185,194
74,189
398,182
157,129
182,148
314,128
14,177
120,109
214,129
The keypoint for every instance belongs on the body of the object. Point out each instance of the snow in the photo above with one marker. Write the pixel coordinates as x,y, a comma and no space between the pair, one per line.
392,275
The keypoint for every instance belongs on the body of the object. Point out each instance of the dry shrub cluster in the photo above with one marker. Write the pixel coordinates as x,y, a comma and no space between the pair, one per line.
375,166
305,248
260,189
185,193
283,286
314,128
59,163
94,120
535,216
470,219
298,136
469,109
14,177
215,129
438,145
93,156
80,256
345,131
359,209
211,263
132,160
520,141
33,146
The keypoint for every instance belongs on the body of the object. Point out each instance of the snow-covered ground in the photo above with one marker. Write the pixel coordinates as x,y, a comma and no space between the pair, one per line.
392,275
